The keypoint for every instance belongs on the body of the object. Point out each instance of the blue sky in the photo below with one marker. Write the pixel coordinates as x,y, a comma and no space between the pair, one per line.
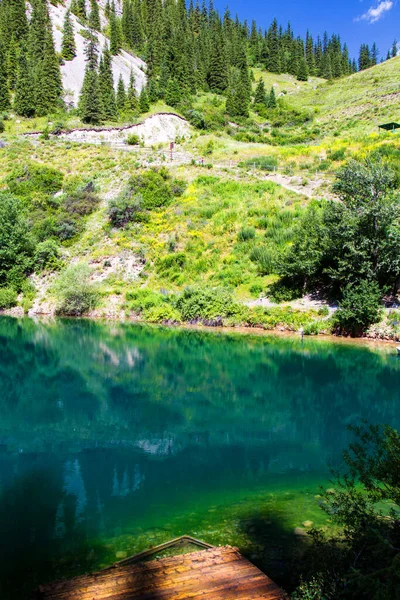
356,21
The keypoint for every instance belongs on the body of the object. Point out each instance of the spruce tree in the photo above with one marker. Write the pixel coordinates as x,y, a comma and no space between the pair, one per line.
394,49
115,34
260,96
43,60
327,72
302,73
144,104
12,62
24,98
272,99
274,59
90,105
121,95
131,103
78,8
4,93
94,16
106,83
172,93
237,99
68,48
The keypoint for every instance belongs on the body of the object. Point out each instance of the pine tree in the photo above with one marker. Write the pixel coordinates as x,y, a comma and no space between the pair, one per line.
43,60
237,99
115,42
121,95
12,62
90,105
272,99
4,93
172,93
94,16
24,98
68,48
106,83
78,8
394,49
274,61
260,96
144,104
131,102
302,73
327,72
217,78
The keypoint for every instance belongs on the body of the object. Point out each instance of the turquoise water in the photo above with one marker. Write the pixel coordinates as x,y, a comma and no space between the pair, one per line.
116,437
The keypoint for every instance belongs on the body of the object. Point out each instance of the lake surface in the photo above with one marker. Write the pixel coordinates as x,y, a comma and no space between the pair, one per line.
116,437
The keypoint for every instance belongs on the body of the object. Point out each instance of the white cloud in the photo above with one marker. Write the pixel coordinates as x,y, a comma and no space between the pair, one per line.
375,13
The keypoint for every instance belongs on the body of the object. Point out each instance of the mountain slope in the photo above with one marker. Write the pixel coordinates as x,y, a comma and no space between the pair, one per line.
359,102
73,71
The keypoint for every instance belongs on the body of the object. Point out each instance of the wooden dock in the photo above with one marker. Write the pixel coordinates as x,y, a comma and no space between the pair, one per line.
212,574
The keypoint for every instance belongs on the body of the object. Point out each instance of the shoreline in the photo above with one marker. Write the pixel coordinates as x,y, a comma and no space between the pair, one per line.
220,329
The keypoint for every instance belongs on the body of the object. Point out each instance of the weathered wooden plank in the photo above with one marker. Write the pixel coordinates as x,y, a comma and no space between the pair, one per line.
215,574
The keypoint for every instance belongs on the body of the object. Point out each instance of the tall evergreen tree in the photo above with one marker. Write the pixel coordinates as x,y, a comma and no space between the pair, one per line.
90,105
12,62
94,16
121,95
106,83
24,98
131,103
260,96
173,93
394,49
68,48
43,60
302,73
144,104
78,8
4,93
272,99
115,39
274,58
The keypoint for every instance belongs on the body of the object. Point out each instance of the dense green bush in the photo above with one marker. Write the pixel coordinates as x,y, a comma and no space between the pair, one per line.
76,295
32,179
164,313
246,233
16,244
341,243
359,308
81,202
133,139
143,299
265,258
363,504
125,209
196,118
8,298
146,191
198,303
47,255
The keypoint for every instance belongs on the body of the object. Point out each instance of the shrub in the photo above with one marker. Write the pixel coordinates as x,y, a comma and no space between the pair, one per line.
47,255
162,314
2,127
196,118
172,264
75,293
198,303
143,299
132,139
338,154
265,259
8,298
246,233
16,246
32,178
82,203
359,308
124,209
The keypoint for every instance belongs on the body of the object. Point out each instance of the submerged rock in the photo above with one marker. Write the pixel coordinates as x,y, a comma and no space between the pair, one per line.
300,532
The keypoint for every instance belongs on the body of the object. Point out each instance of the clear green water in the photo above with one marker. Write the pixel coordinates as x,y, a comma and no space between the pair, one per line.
116,437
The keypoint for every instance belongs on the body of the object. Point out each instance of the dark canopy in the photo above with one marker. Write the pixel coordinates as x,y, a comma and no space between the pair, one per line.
389,126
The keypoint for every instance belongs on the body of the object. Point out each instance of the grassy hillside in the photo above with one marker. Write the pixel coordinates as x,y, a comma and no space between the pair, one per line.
233,218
